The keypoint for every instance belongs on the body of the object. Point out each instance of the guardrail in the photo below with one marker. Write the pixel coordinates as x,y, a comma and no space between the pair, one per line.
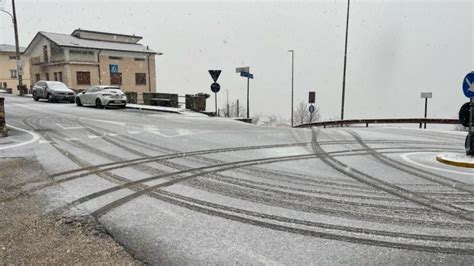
383,121
3,128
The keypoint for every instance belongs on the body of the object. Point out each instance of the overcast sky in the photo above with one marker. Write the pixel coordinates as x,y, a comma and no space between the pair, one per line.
396,49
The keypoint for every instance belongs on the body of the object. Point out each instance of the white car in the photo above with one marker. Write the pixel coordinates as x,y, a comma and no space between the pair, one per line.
102,97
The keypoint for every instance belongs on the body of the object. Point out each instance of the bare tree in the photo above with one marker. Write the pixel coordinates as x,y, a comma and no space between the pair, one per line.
234,110
303,116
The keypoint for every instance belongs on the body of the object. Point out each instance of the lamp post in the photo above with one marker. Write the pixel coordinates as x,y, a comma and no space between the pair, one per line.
292,81
17,47
345,63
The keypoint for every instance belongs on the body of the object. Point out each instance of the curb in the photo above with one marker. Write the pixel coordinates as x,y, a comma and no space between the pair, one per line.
454,163
153,110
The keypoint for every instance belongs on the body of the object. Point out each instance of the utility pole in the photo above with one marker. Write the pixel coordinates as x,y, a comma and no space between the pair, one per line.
345,63
19,65
292,81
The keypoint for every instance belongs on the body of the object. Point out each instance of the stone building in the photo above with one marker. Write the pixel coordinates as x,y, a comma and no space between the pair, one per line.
86,58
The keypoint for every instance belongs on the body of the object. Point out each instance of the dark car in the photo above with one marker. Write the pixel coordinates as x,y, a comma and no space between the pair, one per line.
53,91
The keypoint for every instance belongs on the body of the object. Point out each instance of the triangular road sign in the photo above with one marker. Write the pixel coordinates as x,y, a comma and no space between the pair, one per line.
215,74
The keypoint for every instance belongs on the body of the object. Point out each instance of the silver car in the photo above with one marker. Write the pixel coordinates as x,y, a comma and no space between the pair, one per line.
101,97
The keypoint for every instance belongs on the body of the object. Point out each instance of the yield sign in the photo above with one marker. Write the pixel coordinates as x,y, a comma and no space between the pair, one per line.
215,74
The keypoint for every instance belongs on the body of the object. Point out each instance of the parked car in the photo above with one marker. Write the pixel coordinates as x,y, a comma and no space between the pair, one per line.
53,91
102,97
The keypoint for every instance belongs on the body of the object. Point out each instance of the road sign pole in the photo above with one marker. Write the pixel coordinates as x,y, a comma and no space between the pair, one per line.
248,98
227,103
215,97
471,113
426,109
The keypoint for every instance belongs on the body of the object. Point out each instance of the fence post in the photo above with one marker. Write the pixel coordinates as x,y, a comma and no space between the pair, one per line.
3,127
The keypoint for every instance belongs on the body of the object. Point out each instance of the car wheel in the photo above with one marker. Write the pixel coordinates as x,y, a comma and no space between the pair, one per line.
50,98
35,97
98,104
78,101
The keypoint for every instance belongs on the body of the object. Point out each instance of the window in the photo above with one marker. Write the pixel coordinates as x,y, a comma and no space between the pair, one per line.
60,76
13,73
12,57
37,77
115,58
47,76
115,78
81,52
140,59
56,76
45,53
83,78
140,78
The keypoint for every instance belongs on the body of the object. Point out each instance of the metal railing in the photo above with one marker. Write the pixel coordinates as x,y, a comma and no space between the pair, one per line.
383,121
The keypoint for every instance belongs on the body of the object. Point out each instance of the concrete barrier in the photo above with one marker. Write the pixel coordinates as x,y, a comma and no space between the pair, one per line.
3,127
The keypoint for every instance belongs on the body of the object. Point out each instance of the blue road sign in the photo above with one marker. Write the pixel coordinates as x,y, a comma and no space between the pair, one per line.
311,108
113,68
468,85
246,74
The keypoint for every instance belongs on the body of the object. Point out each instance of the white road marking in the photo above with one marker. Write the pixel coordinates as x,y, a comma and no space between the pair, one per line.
184,131
179,132
41,141
68,127
93,136
112,134
406,158
133,132
34,138
105,121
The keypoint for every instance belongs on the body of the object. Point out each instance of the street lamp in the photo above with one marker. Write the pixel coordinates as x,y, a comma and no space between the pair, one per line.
292,81
17,45
345,62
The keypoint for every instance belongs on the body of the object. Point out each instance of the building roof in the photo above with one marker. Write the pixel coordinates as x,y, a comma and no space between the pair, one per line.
10,48
106,33
66,40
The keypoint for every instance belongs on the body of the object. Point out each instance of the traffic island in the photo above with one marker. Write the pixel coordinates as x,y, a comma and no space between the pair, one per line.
456,159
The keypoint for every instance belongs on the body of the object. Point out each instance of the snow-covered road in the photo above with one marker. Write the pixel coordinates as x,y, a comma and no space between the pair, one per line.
179,189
